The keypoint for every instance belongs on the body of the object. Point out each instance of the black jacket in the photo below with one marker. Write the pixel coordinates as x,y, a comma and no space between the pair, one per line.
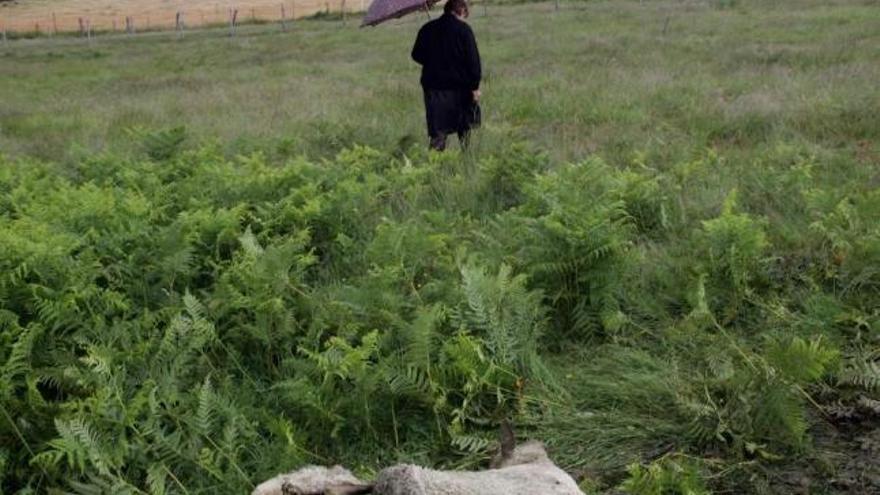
447,50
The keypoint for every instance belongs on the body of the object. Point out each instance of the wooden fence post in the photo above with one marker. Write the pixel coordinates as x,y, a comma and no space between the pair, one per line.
89,30
283,19
114,25
82,27
178,23
233,18
54,24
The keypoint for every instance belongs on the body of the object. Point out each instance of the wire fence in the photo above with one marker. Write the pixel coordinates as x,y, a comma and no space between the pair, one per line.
87,17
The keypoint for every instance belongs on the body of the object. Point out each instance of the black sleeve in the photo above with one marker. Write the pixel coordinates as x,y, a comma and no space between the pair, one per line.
418,51
472,58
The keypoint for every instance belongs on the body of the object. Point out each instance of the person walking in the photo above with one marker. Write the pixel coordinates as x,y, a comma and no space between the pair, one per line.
451,72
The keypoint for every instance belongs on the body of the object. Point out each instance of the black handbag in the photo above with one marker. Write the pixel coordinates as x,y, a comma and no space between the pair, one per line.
476,115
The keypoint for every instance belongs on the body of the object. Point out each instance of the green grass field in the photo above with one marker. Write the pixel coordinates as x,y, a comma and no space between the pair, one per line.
597,78
222,258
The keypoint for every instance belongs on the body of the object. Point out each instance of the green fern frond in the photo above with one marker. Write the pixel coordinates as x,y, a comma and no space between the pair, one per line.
19,362
472,444
411,380
250,244
665,476
156,476
77,445
779,415
421,337
163,144
206,414
801,361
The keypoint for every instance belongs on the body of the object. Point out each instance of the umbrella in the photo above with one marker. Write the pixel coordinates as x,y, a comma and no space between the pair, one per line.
383,10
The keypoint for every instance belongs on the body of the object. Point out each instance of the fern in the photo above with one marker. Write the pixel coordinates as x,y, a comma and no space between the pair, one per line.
411,380
164,144
779,415
734,244
201,323
471,444
574,250
205,416
19,361
762,400
861,370
800,361
508,316
668,476
78,446
156,478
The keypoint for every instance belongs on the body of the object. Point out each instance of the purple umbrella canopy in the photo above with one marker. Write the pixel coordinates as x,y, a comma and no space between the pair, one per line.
383,10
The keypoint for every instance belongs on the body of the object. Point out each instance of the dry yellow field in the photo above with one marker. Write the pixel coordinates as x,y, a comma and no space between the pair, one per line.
49,16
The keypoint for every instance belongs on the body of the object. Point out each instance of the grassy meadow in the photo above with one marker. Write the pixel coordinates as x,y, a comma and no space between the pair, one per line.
607,78
223,258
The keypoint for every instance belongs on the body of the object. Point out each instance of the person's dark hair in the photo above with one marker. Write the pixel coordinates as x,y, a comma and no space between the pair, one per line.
459,7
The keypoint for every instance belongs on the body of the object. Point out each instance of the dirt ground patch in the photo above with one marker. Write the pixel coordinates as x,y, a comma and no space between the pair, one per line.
64,15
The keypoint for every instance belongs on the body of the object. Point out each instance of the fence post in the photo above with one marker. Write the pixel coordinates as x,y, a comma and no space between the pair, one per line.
233,18
178,23
293,10
283,19
82,27
37,28
114,25
54,24
89,30
5,40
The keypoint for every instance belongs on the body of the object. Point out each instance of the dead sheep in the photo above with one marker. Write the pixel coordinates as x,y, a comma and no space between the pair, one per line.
314,480
528,471
525,470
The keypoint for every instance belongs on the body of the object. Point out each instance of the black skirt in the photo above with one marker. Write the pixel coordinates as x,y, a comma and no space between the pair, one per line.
451,111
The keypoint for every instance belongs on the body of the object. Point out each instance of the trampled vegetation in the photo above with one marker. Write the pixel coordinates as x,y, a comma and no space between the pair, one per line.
695,314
